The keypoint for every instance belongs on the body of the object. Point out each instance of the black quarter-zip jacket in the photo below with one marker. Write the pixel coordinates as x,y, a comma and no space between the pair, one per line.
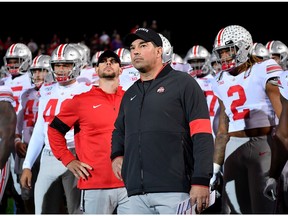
163,131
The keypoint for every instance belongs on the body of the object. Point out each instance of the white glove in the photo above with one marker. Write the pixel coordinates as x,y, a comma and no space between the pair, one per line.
215,177
270,189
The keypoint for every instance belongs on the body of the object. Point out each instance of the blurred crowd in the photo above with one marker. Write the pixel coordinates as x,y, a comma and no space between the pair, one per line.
99,41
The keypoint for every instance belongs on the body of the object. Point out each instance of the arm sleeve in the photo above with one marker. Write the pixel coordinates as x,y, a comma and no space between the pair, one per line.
57,129
200,131
36,141
272,70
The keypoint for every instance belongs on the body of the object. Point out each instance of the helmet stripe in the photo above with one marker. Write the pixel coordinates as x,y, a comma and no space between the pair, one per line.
98,54
12,48
61,50
195,50
35,60
269,45
120,52
219,36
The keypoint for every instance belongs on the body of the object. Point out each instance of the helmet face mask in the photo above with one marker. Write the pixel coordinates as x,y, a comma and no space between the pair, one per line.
198,57
234,38
13,65
197,67
66,55
227,61
65,73
40,70
38,76
17,59
214,66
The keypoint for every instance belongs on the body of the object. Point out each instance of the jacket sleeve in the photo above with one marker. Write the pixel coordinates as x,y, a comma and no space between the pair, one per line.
118,134
200,131
58,128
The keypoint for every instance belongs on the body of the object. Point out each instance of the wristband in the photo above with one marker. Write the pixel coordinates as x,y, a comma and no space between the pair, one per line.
216,168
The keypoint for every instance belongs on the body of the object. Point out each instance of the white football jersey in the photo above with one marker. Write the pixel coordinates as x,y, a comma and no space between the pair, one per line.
88,75
18,85
129,75
52,96
181,67
283,84
212,101
27,116
246,103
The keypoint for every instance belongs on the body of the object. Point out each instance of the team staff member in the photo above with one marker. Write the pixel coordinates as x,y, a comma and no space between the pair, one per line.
162,134
93,120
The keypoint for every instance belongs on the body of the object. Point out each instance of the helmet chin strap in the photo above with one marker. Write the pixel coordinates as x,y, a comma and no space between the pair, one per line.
227,66
62,78
195,73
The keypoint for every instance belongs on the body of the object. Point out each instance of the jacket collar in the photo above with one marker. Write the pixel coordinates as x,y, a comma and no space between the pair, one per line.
165,71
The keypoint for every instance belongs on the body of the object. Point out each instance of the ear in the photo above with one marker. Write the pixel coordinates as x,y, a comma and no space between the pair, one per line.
160,51
120,70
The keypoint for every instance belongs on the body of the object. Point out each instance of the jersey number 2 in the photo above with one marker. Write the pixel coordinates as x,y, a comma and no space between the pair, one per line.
237,89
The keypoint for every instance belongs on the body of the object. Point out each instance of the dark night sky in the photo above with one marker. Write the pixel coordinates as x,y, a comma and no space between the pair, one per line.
189,23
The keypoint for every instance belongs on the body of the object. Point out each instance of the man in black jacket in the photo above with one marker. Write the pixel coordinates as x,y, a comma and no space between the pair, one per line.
162,134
